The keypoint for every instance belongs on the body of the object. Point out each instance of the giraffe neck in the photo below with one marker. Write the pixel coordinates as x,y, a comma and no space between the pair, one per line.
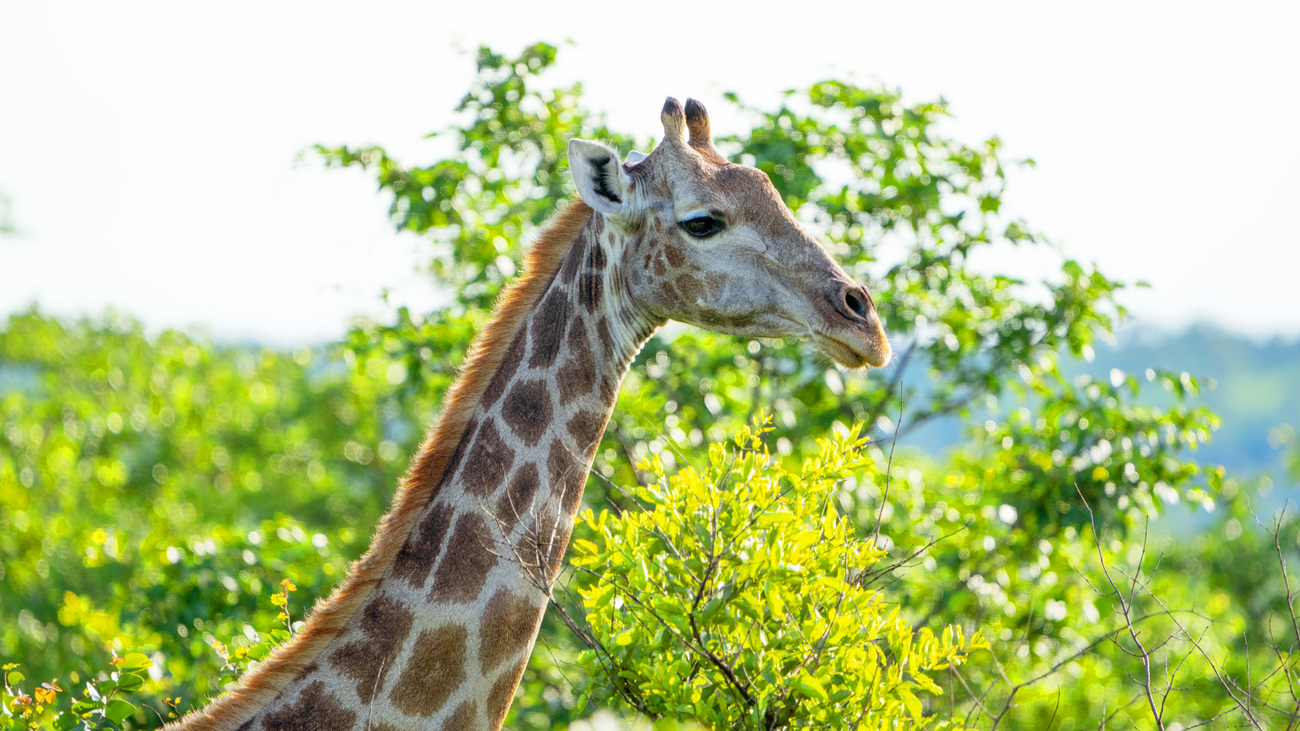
443,638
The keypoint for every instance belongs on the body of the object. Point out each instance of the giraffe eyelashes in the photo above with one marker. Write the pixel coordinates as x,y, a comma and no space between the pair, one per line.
702,227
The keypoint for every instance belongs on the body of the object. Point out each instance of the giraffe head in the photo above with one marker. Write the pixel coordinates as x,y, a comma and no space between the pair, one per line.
711,243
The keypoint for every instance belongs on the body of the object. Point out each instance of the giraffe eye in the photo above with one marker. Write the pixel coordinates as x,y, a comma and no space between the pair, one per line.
702,227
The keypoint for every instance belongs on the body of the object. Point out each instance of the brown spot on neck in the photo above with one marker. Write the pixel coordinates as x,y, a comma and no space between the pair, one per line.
548,328
578,374
509,620
606,340
555,559
420,552
470,555
568,476
385,624
527,410
517,500
503,692
509,366
435,670
586,428
591,289
596,256
464,718
488,462
315,710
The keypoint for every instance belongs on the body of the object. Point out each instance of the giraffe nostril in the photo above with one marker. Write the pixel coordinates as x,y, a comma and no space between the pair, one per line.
857,303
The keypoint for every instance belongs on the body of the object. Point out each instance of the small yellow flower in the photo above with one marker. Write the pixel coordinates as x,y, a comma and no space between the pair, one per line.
46,694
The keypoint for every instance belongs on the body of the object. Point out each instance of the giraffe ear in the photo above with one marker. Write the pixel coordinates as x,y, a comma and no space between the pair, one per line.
599,176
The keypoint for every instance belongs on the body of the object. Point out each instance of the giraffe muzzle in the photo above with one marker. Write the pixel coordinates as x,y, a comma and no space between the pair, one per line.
853,336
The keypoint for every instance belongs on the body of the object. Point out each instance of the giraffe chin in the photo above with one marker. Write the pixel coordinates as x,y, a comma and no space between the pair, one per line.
859,357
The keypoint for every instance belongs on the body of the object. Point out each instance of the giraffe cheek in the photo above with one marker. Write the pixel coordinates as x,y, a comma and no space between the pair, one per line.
692,291
676,257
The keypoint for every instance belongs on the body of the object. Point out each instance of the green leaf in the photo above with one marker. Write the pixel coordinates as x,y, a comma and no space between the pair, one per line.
118,710
711,609
912,702
84,707
810,687
136,661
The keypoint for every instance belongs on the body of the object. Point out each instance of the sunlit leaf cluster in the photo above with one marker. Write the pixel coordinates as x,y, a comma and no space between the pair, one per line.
741,597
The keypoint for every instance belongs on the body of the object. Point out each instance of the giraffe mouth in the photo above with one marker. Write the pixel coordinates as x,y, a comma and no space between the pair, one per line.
866,351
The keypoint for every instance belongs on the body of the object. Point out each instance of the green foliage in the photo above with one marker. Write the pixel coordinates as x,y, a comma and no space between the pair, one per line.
741,598
146,484
102,706
104,703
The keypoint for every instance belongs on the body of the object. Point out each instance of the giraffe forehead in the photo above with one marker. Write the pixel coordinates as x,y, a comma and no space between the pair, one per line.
739,192
749,191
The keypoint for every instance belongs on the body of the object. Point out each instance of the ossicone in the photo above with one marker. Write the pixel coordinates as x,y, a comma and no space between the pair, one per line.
697,121
674,119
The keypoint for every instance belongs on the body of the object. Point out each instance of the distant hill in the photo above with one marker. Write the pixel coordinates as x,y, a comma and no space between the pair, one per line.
1257,389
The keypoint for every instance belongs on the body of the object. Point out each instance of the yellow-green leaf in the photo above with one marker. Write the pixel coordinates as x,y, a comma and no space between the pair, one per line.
811,687
912,702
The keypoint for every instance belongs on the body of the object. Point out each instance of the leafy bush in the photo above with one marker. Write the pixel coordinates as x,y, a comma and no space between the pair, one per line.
740,597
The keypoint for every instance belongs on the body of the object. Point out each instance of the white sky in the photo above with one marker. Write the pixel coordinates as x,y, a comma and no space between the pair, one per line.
148,149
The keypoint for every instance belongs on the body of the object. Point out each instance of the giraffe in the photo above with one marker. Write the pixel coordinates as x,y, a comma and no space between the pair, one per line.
433,626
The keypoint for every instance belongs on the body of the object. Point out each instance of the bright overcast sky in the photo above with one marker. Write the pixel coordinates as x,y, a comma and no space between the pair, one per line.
148,149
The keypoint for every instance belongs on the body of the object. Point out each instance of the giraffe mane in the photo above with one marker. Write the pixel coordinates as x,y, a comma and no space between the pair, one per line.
420,484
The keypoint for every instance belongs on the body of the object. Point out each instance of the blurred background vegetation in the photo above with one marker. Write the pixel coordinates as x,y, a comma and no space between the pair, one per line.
156,488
